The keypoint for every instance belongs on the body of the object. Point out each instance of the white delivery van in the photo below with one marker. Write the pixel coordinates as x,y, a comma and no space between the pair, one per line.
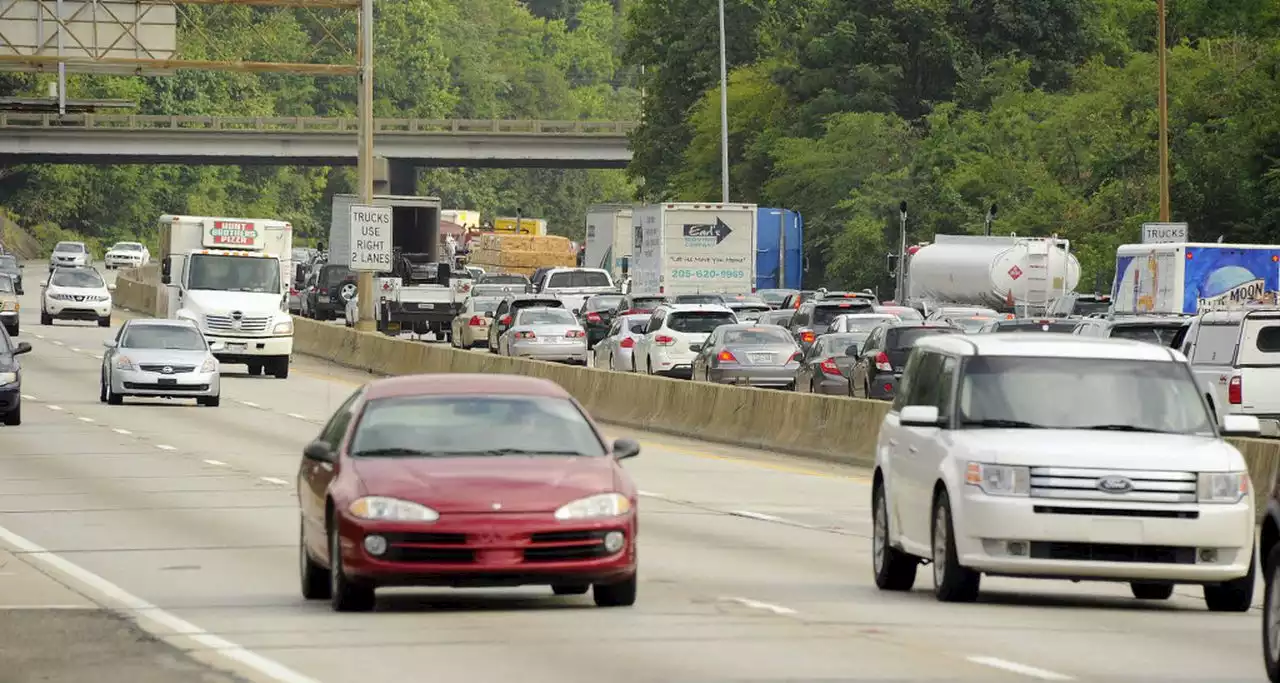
691,248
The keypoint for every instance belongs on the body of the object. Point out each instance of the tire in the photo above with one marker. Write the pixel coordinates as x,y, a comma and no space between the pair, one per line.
13,418
894,570
1271,616
951,581
1232,596
45,318
13,331
621,594
313,577
1151,591
570,588
255,368
346,595
104,322
210,401
280,367
102,389
113,398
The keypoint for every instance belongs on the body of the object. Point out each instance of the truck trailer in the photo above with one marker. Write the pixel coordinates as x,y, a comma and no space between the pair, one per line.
609,239
779,255
1018,274
690,248
230,276
1190,277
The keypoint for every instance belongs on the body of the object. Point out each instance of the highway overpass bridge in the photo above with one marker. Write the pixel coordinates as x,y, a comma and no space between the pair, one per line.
302,141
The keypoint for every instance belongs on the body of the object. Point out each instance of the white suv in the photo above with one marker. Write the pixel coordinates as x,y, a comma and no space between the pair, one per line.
674,336
76,294
1061,457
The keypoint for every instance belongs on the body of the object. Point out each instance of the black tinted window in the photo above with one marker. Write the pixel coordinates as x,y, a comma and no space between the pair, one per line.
6,284
500,279
579,278
699,322
902,338
699,299
537,303
1269,339
1158,334
171,337
1061,327
824,315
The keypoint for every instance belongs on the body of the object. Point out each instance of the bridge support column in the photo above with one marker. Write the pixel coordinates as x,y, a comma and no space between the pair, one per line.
395,177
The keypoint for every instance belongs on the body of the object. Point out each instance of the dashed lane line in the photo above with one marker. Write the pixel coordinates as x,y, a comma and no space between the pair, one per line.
765,606
165,447
118,430
215,463
53,407
1014,667
274,480
85,419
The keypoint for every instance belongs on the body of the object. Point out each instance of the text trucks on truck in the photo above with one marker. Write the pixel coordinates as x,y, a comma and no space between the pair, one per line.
230,277
692,248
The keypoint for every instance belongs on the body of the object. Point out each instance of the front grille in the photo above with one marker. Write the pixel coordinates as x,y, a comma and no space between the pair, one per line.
561,546
175,369
1116,512
227,323
426,548
1147,486
175,388
1112,552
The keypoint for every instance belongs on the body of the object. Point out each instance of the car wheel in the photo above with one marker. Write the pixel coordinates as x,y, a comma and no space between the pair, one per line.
102,388
113,398
1271,616
45,318
280,367
13,418
570,588
1232,596
210,401
345,594
1145,590
104,322
315,580
621,594
648,364
951,581
894,570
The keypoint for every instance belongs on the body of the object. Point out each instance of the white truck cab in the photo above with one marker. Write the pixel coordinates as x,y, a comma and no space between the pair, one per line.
230,277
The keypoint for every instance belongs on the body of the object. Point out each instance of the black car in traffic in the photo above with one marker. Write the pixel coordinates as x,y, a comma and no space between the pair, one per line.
11,378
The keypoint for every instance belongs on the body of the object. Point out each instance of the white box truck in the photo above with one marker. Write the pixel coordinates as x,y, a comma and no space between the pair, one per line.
1189,278
689,248
609,239
230,276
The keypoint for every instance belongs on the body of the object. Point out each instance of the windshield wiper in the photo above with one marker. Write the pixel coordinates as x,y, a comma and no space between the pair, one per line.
1001,424
522,451
1124,428
390,451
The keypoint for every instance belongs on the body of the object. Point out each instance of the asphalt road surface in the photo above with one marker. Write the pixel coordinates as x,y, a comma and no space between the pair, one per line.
753,568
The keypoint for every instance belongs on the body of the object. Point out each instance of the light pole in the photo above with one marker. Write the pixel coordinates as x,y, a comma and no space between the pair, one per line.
724,115
1163,106
364,282
900,288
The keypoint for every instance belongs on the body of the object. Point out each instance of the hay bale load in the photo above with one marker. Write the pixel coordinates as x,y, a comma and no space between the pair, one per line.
522,254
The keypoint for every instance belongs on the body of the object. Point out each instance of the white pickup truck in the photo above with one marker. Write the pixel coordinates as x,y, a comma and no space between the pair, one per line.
413,298
1237,352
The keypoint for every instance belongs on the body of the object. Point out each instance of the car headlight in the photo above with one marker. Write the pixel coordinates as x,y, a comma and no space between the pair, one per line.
285,327
593,507
210,364
1222,487
8,377
999,480
9,306
123,363
391,510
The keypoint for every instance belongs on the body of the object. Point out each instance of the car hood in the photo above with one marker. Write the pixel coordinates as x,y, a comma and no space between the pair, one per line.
165,356
124,252
1097,449
463,485
79,291
213,302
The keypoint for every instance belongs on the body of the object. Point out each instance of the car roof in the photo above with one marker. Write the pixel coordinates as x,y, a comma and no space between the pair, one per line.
160,322
684,308
463,384
534,297
1046,345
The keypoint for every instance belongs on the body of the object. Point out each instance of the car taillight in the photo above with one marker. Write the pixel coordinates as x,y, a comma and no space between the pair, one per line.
795,358
575,334
506,320
293,292
476,321
593,317
664,340
808,336
882,362
525,335
726,357
627,343
829,367
1235,391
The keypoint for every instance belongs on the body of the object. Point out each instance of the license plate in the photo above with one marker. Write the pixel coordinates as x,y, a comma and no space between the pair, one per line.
166,381
552,340
322,299
761,357
235,347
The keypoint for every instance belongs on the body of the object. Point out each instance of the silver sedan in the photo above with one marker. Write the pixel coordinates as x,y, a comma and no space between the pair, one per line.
161,359
751,355
551,334
614,351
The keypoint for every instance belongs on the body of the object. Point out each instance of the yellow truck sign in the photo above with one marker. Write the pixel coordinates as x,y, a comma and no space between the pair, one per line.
527,226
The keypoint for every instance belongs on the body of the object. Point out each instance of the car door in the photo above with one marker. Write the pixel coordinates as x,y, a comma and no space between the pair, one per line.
913,482
859,375
502,309
315,477
603,353
702,361
109,355
806,375
640,354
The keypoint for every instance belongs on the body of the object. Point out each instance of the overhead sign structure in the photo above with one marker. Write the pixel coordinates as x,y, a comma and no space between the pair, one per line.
99,36
1163,233
370,238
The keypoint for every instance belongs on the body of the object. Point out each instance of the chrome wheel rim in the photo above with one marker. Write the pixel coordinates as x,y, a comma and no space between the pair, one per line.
939,546
881,536
1273,617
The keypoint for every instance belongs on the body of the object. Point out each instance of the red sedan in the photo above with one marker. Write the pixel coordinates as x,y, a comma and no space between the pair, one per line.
465,481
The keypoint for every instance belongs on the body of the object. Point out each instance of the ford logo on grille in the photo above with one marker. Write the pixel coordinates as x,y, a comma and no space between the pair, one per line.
1115,485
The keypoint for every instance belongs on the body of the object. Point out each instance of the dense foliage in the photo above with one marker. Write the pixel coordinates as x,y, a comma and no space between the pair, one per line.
435,59
1046,108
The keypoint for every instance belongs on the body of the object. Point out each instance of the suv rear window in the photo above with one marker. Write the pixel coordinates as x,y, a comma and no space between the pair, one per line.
335,274
1269,339
1165,335
536,303
1061,327
699,299
602,303
824,315
901,338
579,278
647,303
699,322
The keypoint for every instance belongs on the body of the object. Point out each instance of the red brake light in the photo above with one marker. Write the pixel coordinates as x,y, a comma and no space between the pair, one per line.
324,290
593,317
525,335
293,291
506,320
574,334
664,340
829,367
882,362
795,358
1235,391
726,357
808,336
476,321
627,343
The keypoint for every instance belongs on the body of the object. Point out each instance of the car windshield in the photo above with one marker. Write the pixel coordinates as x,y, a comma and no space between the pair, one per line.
1164,335
969,324
127,246
775,297
838,344
86,279
1103,394
1056,326
824,315
6,284
220,272
903,338
638,325
602,303
69,247
646,303
487,304
545,316
699,299
497,290
168,337
1087,307
757,336
443,426
903,313
503,279
332,275
699,322
8,263
860,324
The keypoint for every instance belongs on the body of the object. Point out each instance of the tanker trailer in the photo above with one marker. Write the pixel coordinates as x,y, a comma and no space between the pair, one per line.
974,270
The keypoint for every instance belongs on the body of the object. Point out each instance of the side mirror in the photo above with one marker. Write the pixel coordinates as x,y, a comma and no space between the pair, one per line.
164,279
25,347
318,451
111,288
109,344
217,346
919,416
1241,425
577,311
166,266
625,448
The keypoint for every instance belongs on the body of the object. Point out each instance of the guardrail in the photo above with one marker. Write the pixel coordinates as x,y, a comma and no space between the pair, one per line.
305,124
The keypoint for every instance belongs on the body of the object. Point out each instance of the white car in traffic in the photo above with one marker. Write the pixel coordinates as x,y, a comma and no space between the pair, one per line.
127,255
76,294
1061,457
674,336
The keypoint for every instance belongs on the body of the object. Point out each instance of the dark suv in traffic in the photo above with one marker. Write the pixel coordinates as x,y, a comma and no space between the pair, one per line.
884,354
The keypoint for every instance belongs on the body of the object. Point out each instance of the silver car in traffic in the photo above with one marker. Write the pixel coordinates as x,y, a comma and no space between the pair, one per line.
160,358
751,355
541,333
614,351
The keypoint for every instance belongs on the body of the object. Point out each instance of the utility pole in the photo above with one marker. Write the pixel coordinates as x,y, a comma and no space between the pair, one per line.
724,114
1165,209
364,282
900,288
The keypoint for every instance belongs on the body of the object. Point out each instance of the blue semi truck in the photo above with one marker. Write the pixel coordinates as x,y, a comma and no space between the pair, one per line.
779,259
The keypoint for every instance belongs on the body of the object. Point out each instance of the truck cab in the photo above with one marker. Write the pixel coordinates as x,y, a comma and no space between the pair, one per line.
230,276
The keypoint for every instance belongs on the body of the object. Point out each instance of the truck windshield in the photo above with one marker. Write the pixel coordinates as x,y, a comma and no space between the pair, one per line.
224,273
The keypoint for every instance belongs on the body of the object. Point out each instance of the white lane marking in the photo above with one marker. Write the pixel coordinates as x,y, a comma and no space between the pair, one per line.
215,463
165,447
58,343
118,430
75,349
273,480
137,609
53,407
251,404
39,336
98,356
757,515
756,604
300,417
1033,672
650,494
85,419
29,397
7,608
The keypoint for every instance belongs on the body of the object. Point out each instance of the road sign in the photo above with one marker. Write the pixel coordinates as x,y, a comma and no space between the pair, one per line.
370,238
1163,233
